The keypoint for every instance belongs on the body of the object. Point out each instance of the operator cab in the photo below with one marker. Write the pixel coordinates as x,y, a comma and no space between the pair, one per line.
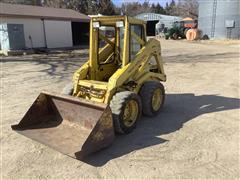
107,44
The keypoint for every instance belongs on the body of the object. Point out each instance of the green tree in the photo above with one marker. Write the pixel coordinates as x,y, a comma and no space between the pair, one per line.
26,2
171,8
135,8
167,9
106,7
153,7
83,6
172,4
54,3
146,6
188,8
159,9
91,7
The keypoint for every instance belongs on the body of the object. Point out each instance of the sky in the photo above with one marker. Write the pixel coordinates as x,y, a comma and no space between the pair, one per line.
119,2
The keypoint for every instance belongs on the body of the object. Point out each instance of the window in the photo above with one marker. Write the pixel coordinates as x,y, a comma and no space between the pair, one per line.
136,31
121,39
107,32
106,37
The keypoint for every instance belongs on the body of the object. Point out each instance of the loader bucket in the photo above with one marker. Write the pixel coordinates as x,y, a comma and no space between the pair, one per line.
70,125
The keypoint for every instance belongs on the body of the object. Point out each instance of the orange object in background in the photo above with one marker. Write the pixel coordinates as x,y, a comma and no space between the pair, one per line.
187,19
192,34
189,22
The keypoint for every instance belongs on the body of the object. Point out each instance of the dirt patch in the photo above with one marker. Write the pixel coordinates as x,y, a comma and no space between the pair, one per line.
195,136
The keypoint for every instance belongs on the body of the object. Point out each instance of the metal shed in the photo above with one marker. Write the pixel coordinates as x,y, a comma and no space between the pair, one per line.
27,27
152,19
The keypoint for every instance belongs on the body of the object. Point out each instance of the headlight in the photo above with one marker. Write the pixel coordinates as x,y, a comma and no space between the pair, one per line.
119,24
96,24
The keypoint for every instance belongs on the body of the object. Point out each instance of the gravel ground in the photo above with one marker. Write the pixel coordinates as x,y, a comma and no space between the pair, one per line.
195,136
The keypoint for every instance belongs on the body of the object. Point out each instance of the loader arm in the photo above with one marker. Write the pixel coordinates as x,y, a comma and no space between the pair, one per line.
139,70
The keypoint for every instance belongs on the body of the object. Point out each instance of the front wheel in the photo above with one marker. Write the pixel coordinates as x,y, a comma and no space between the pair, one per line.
175,36
153,95
126,109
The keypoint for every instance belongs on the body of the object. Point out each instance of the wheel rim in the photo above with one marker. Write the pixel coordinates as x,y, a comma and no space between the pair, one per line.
156,99
130,113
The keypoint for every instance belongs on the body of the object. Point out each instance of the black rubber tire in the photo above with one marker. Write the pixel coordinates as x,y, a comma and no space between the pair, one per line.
146,94
117,106
68,89
175,36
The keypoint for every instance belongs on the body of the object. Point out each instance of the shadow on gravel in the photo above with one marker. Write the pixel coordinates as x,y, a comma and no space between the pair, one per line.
178,109
60,64
56,64
191,58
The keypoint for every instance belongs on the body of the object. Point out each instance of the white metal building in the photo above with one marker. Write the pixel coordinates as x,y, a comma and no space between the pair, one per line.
152,19
27,27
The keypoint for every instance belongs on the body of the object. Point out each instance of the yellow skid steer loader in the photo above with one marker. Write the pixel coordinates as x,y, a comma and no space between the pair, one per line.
108,94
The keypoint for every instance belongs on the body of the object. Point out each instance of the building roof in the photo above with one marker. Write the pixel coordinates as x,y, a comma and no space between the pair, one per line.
156,17
16,10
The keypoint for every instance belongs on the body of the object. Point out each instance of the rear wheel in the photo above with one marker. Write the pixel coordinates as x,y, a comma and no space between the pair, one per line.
153,95
68,89
126,109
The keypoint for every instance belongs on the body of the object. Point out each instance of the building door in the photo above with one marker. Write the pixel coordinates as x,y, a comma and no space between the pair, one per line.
16,36
80,33
151,27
